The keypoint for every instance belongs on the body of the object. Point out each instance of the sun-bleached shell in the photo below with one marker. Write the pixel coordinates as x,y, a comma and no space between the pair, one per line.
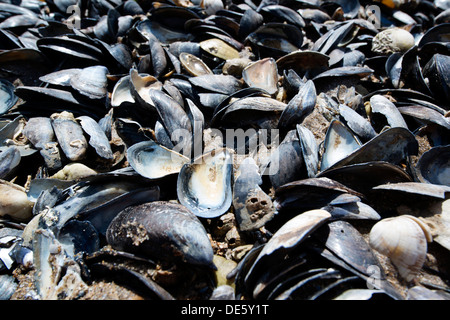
404,240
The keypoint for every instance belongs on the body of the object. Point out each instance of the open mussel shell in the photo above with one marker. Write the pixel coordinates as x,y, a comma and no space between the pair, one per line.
204,186
219,49
339,143
122,92
194,65
163,231
434,166
393,145
262,74
154,161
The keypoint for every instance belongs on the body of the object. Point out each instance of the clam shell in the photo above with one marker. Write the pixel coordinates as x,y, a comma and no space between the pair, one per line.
404,241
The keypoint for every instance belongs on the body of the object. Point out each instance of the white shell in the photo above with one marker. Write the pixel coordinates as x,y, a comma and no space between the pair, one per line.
392,40
404,240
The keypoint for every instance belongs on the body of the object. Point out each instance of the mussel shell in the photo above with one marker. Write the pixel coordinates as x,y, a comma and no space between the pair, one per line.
219,83
91,82
309,194
163,33
39,132
434,166
7,97
437,71
256,111
262,74
346,247
194,65
219,49
253,207
357,123
426,115
339,143
309,62
382,105
392,145
204,186
310,150
121,92
63,46
288,237
364,176
286,162
9,162
275,39
282,13
161,230
61,77
174,119
70,135
154,161
299,107
97,137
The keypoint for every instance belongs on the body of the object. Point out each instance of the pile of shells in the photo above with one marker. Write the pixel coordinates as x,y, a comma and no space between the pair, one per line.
233,150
